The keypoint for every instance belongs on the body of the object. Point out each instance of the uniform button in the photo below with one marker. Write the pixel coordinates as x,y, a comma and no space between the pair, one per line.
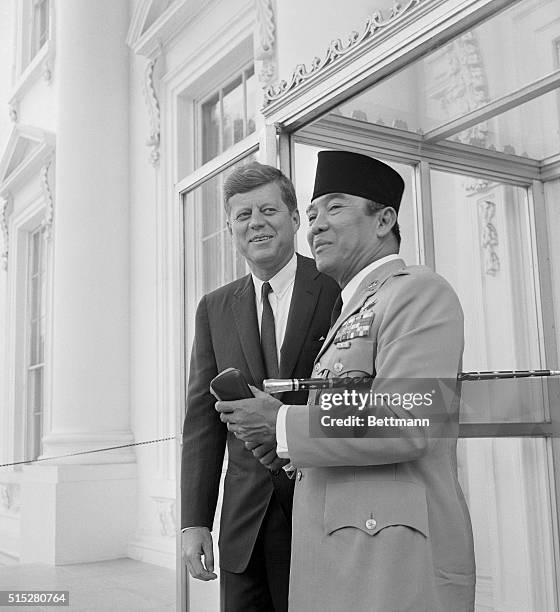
317,367
299,475
338,367
371,523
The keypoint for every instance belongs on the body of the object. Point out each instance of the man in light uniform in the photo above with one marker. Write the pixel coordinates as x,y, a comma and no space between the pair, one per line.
379,522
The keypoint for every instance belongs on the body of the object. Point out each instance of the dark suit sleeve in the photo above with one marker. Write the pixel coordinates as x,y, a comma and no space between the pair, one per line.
204,435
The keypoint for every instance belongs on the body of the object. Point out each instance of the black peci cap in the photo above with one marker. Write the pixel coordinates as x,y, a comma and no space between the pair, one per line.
358,175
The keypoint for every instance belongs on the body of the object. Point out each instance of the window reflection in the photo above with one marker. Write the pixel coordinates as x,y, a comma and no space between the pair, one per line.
468,74
483,248
505,482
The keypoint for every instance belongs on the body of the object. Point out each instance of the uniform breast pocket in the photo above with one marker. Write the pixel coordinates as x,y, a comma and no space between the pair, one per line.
373,506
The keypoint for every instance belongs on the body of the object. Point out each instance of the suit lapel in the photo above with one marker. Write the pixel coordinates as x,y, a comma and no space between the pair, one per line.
245,317
304,299
368,287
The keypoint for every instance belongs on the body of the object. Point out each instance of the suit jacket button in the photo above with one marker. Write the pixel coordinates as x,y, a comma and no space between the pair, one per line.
299,474
371,523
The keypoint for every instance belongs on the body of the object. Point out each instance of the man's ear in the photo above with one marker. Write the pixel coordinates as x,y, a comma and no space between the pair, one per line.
296,219
385,221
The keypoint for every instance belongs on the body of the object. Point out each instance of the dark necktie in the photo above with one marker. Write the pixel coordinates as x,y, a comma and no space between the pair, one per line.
337,309
268,334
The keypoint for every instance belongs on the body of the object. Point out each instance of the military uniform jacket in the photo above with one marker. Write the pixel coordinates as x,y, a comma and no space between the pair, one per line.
380,524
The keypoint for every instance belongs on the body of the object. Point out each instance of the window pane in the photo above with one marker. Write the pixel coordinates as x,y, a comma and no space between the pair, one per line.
506,485
532,129
233,124
483,248
40,25
552,198
211,207
34,412
228,116
210,129
214,262
35,352
252,102
471,71
35,252
210,260
35,340
35,296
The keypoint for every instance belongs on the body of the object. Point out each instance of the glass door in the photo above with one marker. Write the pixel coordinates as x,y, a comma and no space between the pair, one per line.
479,149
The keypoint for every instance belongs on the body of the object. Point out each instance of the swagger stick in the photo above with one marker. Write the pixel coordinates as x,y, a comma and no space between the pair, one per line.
274,385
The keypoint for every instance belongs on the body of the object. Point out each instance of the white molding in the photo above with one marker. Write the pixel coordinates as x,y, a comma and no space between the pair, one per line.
41,65
217,164
335,131
217,47
428,24
162,32
151,549
550,168
137,22
32,163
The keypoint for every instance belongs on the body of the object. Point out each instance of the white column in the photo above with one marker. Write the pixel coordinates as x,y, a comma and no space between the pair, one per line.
90,356
66,508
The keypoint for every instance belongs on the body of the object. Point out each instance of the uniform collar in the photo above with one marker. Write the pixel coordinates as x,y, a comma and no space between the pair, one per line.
355,281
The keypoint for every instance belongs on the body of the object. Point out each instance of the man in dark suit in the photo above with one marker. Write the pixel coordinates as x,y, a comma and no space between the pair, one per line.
380,521
270,323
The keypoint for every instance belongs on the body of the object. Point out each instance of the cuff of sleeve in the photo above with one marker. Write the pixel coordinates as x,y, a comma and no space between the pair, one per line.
281,434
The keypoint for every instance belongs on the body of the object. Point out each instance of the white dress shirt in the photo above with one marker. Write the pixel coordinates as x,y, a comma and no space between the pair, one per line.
280,298
346,294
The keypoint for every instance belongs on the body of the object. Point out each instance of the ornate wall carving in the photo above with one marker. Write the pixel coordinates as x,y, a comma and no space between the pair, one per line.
5,202
489,239
152,102
265,41
47,192
166,515
10,497
375,24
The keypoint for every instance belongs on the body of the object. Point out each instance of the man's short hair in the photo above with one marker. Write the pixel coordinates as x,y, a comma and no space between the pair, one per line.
253,175
373,207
